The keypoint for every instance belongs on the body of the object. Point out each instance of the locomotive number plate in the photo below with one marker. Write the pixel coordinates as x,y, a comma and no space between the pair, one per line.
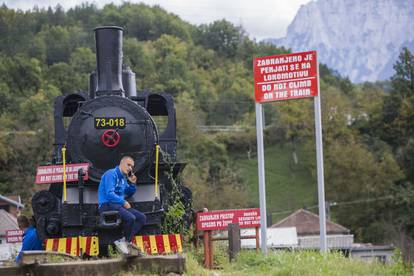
109,122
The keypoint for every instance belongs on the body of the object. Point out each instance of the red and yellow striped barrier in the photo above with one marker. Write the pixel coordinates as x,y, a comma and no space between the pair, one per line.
75,246
159,244
151,244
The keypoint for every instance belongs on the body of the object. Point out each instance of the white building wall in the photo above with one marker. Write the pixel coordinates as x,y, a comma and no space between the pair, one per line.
333,241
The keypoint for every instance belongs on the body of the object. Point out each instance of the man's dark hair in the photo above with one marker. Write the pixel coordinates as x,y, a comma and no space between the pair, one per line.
23,222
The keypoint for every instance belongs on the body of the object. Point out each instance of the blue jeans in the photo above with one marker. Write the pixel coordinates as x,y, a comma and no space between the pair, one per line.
132,220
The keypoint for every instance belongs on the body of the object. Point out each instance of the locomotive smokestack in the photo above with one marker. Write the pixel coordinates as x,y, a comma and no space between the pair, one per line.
109,61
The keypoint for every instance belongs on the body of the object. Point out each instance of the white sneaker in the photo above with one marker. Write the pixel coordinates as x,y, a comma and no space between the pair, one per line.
135,250
122,246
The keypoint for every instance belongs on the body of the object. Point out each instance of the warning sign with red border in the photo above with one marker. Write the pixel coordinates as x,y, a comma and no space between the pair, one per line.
284,77
54,173
219,220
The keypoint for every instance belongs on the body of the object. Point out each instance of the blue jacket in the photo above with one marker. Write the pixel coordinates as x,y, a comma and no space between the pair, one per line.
113,187
30,242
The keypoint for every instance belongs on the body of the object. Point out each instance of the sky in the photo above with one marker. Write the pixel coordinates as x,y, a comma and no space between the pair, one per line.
261,18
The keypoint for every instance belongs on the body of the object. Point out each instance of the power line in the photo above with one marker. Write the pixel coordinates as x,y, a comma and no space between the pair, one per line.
358,201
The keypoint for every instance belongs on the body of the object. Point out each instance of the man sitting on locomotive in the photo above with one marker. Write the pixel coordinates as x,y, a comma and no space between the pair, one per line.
113,189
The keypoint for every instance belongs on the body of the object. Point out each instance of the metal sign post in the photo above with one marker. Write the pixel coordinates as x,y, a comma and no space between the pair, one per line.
261,172
320,172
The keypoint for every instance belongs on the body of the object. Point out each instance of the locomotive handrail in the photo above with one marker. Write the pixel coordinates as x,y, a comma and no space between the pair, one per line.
157,151
64,173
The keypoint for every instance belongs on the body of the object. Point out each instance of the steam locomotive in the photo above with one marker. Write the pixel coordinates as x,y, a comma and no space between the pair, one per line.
99,128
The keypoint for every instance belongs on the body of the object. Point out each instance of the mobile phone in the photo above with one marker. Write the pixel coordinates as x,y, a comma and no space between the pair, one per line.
130,173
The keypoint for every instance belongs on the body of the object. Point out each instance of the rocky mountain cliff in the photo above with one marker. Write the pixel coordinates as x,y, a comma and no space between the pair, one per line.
359,39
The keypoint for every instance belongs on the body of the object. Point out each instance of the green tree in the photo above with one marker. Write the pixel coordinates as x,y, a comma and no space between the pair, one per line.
62,76
22,75
16,30
222,36
137,56
398,113
150,23
170,61
60,41
403,79
85,14
83,62
356,176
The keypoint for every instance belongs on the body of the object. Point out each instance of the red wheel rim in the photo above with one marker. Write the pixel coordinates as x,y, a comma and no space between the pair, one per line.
110,138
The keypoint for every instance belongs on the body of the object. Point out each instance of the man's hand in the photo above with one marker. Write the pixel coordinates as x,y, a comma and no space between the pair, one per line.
132,178
127,205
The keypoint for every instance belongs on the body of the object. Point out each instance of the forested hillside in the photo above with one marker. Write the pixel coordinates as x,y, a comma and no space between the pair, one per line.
368,129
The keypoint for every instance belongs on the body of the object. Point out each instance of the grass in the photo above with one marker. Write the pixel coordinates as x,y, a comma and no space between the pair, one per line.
301,263
289,186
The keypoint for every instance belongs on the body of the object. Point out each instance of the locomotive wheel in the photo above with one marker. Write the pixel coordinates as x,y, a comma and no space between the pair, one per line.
43,202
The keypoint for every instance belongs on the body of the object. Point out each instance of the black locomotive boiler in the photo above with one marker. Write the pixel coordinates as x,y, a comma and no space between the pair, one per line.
100,127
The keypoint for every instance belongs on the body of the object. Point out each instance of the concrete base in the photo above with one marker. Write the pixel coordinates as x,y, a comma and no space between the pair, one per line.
141,265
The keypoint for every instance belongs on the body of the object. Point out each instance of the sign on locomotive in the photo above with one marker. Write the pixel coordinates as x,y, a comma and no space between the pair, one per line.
109,121
54,173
